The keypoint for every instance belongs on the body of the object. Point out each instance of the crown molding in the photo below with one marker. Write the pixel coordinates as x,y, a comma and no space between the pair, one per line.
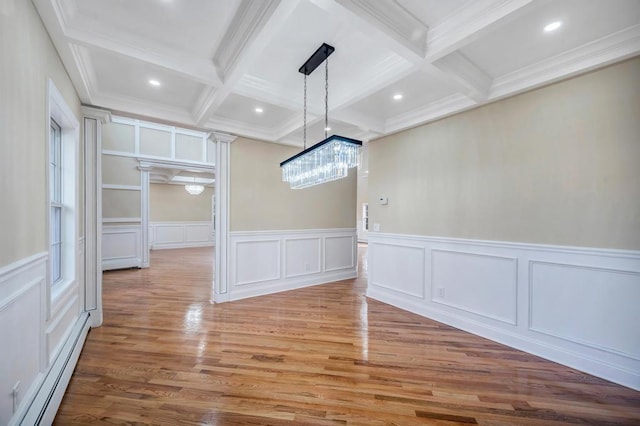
472,78
365,123
435,110
389,69
257,88
53,17
134,106
613,48
239,128
393,20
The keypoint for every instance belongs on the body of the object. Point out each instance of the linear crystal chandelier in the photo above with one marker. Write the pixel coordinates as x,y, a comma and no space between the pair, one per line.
329,159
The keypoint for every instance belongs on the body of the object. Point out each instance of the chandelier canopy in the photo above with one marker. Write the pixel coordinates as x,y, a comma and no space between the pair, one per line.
329,159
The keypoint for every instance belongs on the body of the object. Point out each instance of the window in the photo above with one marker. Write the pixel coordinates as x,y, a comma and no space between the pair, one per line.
365,216
62,194
55,201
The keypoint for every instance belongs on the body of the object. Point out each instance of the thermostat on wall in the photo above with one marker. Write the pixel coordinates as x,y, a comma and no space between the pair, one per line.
383,200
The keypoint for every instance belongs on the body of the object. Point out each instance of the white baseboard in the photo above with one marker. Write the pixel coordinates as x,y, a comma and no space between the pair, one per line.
265,262
47,400
574,306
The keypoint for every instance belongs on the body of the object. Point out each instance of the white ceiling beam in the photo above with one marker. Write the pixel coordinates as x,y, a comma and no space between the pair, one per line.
395,31
475,82
393,21
249,33
471,21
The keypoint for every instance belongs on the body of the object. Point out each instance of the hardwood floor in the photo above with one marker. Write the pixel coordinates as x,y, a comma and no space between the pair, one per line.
323,355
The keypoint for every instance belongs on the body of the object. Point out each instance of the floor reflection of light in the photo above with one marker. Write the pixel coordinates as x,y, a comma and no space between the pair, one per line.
364,328
193,318
202,346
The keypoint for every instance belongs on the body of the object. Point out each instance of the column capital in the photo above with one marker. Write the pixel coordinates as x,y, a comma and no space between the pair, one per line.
99,114
222,137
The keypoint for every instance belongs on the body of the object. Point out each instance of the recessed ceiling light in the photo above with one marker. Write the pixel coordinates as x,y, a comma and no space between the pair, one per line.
397,96
327,129
154,82
553,26
259,110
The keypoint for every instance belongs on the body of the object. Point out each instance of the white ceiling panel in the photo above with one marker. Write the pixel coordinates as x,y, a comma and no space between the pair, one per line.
523,41
133,81
236,107
217,60
193,26
416,89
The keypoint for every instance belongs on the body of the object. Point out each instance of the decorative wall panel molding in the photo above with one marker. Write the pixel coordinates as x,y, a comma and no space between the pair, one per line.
32,381
576,306
22,288
458,272
121,246
265,262
170,235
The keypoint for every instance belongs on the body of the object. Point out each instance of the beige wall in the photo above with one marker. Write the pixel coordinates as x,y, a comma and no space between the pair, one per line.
261,201
171,203
29,59
558,165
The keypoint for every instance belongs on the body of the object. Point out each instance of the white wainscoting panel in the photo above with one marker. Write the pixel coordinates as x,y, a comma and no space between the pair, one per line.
477,283
575,306
398,268
21,295
583,305
169,235
303,256
259,261
121,246
339,253
26,371
265,262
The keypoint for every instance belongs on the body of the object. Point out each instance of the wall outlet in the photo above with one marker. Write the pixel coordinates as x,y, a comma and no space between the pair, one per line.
440,291
376,227
307,267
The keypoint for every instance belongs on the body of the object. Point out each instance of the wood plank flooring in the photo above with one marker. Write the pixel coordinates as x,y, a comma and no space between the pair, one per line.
323,355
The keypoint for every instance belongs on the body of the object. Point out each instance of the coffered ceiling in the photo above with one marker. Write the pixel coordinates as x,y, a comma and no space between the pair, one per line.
217,61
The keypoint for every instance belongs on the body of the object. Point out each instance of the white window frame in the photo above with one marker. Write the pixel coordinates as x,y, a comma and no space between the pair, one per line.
65,202
56,206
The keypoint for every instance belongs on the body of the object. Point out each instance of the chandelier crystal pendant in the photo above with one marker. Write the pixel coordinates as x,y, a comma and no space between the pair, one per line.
329,159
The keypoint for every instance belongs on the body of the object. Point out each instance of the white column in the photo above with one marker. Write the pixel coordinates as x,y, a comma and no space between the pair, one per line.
92,134
220,290
144,212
